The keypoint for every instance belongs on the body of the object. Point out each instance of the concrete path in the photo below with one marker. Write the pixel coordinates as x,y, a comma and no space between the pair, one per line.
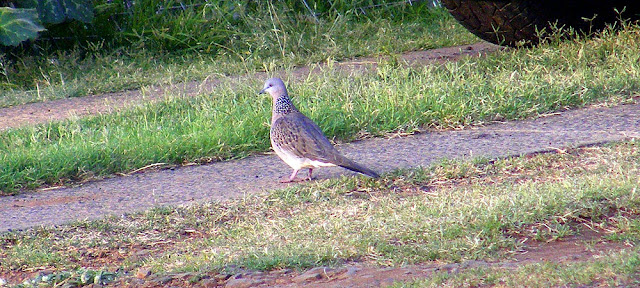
233,179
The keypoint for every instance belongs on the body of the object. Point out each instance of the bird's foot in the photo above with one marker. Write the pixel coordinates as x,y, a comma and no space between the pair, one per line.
295,180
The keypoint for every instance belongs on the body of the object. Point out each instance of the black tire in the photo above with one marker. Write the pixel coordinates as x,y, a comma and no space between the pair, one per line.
516,22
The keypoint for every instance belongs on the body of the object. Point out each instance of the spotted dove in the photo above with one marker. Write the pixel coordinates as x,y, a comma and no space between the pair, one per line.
298,141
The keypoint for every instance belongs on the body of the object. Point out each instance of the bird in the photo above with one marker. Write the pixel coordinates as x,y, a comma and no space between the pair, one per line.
298,141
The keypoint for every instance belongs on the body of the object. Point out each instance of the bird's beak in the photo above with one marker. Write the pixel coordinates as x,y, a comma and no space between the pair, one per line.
262,91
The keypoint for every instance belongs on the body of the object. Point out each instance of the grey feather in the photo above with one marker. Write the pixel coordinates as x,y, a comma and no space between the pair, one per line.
294,133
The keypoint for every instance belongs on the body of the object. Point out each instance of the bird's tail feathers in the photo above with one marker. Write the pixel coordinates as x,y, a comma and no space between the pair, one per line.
353,166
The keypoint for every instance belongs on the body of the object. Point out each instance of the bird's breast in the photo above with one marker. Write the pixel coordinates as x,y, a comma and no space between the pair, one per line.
295,161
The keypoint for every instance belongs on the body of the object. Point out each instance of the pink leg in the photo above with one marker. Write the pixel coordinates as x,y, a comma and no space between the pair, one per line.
291,178
310,171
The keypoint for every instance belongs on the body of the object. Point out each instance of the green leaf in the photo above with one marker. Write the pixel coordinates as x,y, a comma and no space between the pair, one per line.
81,10
51,11
31,4
57,11
17,25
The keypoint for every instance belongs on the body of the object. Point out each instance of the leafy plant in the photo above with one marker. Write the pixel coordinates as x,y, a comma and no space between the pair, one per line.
24,22
17,25
75,278
58,11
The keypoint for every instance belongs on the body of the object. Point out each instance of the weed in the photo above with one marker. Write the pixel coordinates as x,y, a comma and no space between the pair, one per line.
382,222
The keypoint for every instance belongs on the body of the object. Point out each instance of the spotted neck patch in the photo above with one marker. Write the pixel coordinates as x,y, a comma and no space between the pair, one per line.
283,105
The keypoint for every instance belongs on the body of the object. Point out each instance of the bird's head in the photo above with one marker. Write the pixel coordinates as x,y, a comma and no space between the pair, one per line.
275,87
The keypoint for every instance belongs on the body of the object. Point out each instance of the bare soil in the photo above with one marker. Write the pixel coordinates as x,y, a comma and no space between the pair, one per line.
584,246
232,179
571,249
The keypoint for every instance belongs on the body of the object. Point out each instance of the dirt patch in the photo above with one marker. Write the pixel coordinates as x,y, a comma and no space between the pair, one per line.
42,112
570,249
581,247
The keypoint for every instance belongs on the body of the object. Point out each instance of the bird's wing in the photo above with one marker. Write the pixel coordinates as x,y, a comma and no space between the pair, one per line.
299,135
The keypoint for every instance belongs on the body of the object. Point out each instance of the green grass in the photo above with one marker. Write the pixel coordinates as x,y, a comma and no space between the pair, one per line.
451,212
270,39
620,269
232,121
